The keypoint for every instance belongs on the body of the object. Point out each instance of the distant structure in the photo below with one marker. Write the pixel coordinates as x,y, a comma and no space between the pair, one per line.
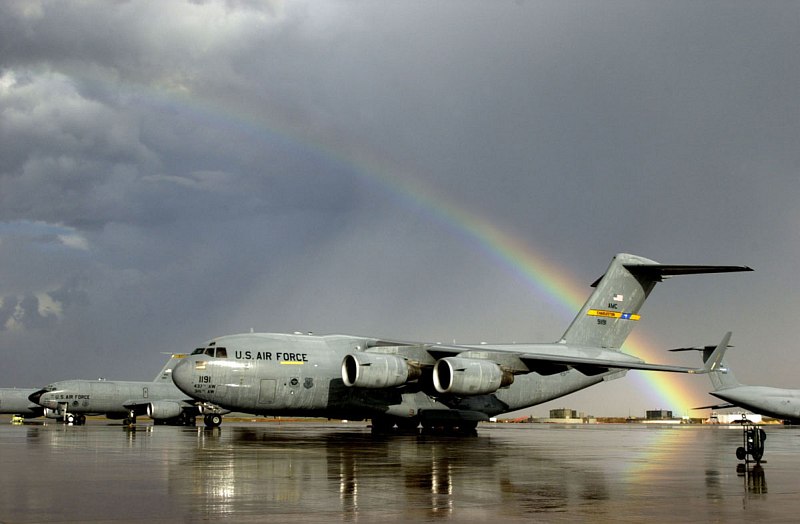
733,417
658,414
563,413
569,416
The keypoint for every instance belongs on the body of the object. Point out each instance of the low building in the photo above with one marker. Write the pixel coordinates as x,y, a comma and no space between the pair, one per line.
733,417
568,416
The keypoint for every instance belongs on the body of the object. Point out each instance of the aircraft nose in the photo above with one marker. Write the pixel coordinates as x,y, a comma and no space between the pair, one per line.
182,375
36,396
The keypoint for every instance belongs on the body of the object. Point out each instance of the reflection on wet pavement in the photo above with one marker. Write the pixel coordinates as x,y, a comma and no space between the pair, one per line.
327,471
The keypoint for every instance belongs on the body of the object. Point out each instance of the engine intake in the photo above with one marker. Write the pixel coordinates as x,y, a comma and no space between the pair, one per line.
469,376
374,370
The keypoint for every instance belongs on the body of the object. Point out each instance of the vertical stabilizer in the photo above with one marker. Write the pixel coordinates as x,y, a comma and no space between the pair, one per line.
612,310
165,375
721,376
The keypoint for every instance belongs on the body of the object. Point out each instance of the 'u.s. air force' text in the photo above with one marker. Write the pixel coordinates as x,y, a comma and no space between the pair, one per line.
268,355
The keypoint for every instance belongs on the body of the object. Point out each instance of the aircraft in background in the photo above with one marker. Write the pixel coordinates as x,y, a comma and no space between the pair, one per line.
15,401
778,403
441,387
72,400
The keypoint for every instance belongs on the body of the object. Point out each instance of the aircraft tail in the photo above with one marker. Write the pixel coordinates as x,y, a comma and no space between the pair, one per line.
612,310
721,376
165,375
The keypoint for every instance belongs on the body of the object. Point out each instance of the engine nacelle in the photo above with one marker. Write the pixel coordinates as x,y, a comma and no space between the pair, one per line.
375,370
161,409
469,376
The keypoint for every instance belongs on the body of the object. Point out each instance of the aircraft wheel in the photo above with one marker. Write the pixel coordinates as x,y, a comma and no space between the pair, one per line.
741,454
212,421
69,419
81,420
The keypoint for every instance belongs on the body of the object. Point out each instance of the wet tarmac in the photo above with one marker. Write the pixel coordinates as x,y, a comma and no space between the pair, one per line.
322,472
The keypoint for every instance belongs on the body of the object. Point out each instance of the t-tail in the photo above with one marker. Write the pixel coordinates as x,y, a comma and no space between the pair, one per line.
721,376
611,312
165,375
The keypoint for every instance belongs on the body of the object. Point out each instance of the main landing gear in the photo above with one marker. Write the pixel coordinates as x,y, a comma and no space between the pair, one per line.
212,420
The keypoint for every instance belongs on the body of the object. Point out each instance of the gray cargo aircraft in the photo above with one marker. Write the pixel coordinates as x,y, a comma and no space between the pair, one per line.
778,403
72,400
15,401
442,387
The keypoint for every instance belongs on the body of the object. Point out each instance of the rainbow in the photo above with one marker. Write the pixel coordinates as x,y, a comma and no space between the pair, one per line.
551,279
367,164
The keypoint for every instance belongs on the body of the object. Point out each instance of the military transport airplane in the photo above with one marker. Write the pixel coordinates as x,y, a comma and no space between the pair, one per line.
72,400
15,401
778,403
448,387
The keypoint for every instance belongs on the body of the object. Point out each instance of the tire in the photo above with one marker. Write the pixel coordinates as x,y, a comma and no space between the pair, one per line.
212,421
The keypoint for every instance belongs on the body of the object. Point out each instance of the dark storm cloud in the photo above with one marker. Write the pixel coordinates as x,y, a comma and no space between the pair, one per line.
174,171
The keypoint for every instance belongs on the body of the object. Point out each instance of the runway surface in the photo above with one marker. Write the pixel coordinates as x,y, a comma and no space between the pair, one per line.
321,472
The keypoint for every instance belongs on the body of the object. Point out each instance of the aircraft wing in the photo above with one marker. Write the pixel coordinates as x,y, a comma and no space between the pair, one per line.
594,366
527,360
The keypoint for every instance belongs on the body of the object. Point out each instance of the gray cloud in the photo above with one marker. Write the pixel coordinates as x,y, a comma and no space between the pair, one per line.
172,172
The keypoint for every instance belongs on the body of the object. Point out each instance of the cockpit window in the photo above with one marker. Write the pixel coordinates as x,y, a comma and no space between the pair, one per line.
219,353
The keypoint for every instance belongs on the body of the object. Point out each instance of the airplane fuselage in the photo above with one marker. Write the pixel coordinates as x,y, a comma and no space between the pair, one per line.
774,402
15,401
439,386
277,374
105,396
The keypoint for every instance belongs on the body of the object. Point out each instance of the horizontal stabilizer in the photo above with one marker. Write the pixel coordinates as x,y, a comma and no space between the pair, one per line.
717,406
658,272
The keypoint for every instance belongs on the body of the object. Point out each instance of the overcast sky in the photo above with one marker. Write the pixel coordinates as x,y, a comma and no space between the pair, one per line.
175,171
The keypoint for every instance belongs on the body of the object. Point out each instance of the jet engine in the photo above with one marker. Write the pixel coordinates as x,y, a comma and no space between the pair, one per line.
469,376
375,370
161,409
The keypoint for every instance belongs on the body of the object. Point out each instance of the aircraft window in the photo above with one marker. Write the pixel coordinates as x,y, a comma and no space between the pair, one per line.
222,353
198,351
210,352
